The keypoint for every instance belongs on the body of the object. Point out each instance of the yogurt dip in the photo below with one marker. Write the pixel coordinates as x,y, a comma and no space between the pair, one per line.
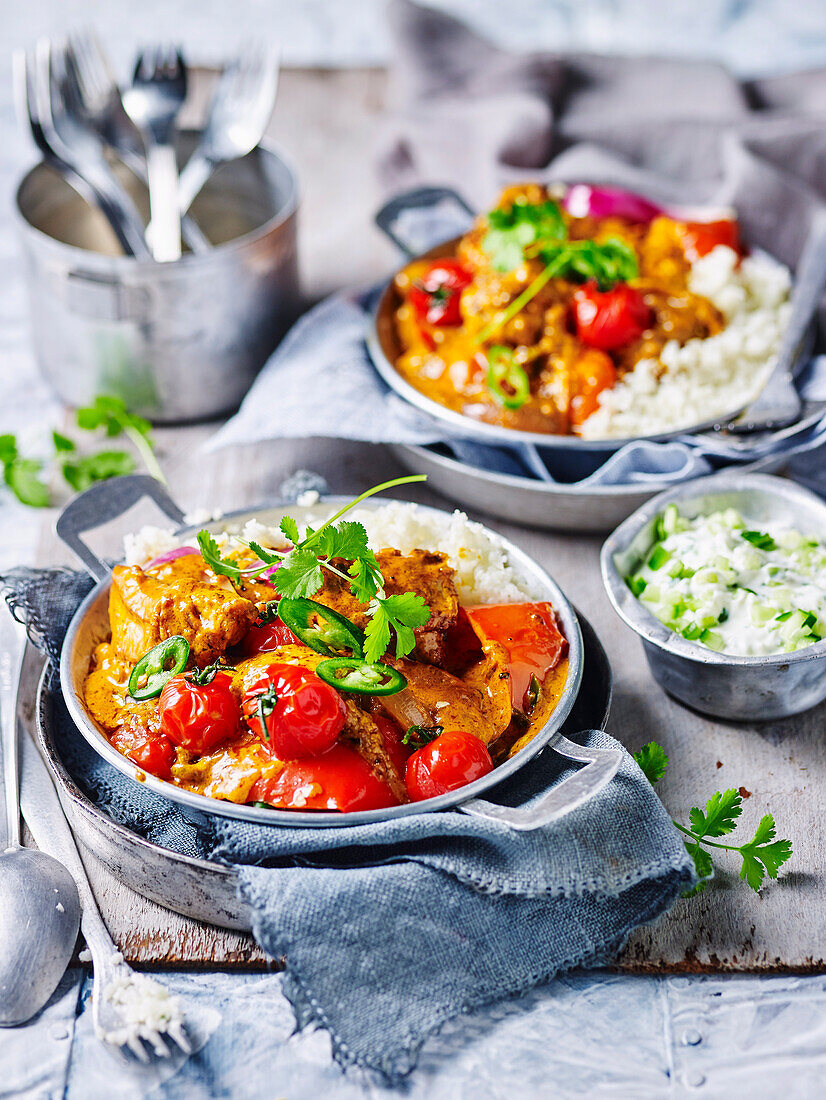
733,587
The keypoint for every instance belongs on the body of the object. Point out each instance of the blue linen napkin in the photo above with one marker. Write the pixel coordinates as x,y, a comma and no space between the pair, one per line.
389,930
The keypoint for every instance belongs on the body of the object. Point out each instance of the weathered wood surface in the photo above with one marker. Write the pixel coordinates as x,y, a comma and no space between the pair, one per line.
329,122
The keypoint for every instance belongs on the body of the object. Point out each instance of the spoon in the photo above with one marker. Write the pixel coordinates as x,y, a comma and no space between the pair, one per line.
39,906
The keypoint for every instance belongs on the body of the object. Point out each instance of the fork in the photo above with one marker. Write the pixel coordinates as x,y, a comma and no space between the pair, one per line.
238,115
144,1040
83,165
153,102
779,403
103,111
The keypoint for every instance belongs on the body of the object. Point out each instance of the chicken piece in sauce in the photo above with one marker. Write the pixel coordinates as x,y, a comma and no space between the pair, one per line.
421,571
181,597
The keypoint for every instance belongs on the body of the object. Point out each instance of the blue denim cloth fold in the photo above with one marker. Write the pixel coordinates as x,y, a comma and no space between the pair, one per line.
391,929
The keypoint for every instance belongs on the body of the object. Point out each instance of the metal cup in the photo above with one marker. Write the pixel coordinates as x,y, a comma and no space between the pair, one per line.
177,341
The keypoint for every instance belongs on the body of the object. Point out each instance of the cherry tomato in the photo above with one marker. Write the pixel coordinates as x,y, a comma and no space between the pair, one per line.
338,779
435,297
265,637
529,633
302,714
610,319
452,760
151,751
391,735
699,238
196,716
594,371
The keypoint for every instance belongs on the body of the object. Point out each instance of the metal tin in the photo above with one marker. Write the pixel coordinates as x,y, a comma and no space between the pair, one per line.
206,890
750,689
550,505
177,341
90,625
383,346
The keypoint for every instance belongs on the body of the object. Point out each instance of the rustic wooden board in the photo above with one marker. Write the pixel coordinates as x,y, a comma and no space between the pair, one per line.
329,122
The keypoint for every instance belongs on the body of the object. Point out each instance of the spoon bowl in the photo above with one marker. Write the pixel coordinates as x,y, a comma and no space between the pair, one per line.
40,918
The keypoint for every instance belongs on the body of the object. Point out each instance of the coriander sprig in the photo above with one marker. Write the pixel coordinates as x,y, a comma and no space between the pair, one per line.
299,572
762,855
527,230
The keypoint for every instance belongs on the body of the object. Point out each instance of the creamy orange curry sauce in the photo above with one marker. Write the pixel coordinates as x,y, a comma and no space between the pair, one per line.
494,677
498,336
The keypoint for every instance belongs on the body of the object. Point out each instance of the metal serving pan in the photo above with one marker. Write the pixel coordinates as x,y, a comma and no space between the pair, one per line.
109,500
201,888
550,505
750,689
382,343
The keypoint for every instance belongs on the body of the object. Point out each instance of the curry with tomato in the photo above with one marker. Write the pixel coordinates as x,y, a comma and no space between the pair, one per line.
544,304
224,687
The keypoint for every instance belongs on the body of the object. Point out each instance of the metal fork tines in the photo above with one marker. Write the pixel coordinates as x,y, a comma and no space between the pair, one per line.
153,102
104,111
41,85
779,404
238,116
132,1014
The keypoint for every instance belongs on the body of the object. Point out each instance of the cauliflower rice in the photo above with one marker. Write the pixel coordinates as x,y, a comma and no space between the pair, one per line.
708,378
484,575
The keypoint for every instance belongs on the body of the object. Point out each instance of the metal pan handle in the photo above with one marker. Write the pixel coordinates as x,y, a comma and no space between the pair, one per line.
442,214
601,767
103,503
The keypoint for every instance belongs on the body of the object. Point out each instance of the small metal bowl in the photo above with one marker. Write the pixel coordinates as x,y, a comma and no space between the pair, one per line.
749,689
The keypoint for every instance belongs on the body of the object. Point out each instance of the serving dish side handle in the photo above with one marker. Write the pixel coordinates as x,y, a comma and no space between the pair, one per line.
419,219
601,767
104,502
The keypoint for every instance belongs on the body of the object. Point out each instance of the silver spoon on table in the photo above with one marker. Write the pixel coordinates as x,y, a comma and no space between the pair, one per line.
39,905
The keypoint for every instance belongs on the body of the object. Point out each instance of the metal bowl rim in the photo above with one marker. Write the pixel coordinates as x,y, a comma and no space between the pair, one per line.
258,815
188,259
643,622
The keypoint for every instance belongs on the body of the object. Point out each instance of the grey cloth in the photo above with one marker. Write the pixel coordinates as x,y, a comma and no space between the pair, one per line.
467,114
390,930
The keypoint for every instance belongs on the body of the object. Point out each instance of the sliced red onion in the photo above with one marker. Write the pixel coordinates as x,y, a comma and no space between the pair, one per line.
584,201
171,555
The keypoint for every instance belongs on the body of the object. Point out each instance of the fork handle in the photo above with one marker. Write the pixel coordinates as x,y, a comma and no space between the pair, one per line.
196,172
162,174
48,825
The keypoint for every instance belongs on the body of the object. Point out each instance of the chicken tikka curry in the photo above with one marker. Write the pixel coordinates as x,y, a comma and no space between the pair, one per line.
216,681
537,309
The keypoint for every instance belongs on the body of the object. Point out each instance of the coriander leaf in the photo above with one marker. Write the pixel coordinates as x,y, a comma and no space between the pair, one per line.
377,633
22,478
763,851
720,817
343,540
366,578
608,262
653,761
289,528
702,865
212,556
62,442
398,613
8,448
266,556
82,472
524,223
300,574
111,414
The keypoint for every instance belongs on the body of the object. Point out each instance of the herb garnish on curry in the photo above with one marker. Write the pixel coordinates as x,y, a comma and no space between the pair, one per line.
321,676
